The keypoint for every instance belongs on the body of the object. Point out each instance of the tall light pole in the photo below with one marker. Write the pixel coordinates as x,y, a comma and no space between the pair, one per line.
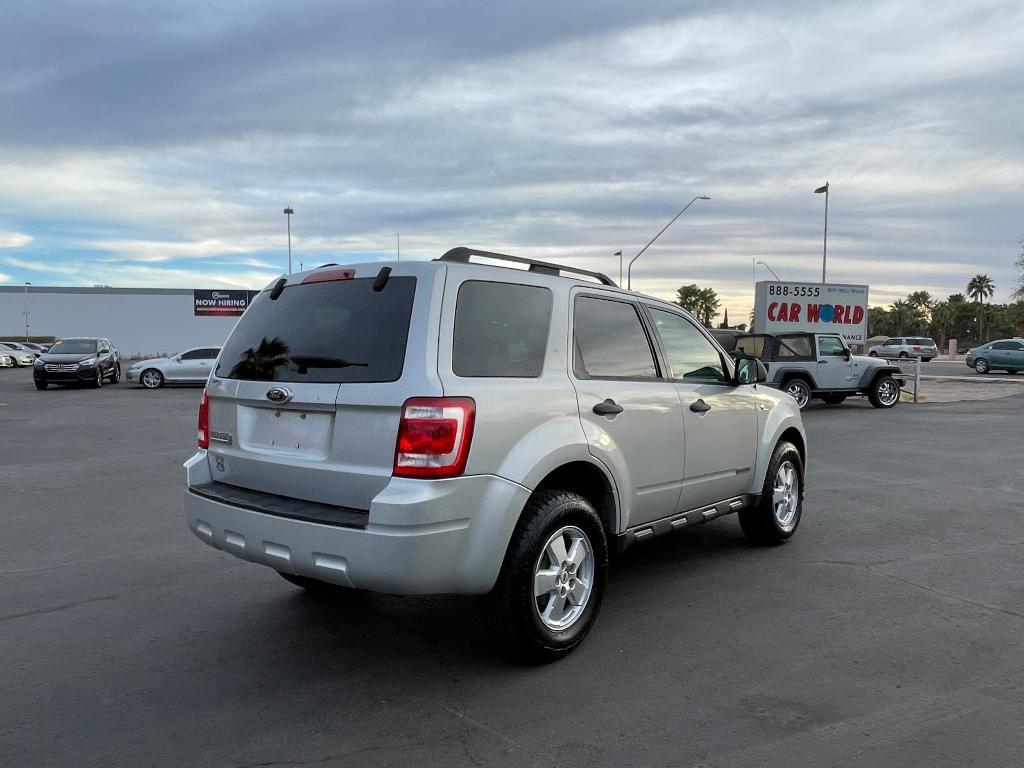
619,254
824,244
288,214
629,269
398,246
26,312
765,265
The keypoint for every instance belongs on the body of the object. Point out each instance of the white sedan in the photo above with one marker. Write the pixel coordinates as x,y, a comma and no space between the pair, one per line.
192,366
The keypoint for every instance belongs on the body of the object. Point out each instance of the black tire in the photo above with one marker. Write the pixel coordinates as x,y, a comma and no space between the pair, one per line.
512,608
981,366
41,384
760,523
115,375
833,399
791,387
159,378
904,355
98,381
313,585
872,353
879,393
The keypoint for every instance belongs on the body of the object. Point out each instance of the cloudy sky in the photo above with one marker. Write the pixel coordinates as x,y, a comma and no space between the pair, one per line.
155,144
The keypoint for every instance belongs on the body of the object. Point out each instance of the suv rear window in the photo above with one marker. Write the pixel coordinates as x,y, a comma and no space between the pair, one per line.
501,329
340,331
610,341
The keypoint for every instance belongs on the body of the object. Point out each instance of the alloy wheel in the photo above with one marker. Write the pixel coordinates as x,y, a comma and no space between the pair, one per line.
563,578
785,494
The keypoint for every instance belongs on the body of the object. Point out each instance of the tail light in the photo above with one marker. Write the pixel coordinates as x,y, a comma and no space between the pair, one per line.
203,431
434,436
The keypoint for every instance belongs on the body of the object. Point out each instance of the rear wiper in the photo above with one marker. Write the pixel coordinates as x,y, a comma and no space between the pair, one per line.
305,362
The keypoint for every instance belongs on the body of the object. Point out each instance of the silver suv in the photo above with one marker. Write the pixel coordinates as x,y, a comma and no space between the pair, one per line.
906,347
454,427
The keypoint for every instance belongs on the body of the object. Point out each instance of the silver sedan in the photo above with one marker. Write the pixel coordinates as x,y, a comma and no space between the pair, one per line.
192,366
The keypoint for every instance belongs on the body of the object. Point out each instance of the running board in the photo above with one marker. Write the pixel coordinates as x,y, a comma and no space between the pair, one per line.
679,520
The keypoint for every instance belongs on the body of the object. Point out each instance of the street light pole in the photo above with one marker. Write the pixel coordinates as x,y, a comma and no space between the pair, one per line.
629,269
288,213
824,244
398,246
27,284
619,254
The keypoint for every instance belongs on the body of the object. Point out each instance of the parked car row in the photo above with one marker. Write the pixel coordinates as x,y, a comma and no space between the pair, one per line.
94,361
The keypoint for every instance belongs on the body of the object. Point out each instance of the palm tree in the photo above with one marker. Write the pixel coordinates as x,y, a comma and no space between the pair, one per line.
904,315
980,288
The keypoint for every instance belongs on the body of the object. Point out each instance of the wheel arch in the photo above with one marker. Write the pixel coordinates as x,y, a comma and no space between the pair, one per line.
590,481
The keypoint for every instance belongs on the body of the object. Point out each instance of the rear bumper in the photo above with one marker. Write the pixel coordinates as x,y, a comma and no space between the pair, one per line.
422,536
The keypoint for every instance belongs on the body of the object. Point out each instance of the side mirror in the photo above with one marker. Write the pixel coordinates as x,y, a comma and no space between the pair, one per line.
750,370
847,354
177,358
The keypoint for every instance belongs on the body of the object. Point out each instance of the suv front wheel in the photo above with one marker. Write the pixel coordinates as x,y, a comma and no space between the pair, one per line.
777,514
550,587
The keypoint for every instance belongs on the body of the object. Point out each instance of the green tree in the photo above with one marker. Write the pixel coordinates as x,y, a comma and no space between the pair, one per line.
905,317
702,303
922,301
1019,293
709,304
689,298
879,322
980,288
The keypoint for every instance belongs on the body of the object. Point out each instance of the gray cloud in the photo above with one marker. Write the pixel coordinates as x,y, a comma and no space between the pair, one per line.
568,129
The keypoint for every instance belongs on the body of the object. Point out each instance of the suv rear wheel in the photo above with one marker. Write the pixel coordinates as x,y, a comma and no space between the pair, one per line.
777,514
550,587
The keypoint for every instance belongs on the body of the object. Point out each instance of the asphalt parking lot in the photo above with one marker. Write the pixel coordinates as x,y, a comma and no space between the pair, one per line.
887,633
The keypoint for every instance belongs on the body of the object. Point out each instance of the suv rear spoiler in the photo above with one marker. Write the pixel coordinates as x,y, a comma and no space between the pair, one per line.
462,254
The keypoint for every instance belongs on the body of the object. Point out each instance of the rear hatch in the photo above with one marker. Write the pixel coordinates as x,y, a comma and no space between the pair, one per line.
306,396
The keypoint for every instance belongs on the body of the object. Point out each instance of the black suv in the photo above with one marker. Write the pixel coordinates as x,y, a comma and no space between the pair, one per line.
83,360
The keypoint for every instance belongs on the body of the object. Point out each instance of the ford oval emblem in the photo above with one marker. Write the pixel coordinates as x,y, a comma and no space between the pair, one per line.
279,395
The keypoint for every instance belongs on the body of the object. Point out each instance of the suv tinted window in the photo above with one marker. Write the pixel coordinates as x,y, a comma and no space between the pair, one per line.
893,343
501,329
691,357
1014,345
330,332
610,342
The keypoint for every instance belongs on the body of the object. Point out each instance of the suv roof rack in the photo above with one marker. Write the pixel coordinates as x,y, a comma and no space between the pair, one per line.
462,254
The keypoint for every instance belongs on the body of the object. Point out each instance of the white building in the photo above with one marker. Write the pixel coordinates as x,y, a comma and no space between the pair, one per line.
140,322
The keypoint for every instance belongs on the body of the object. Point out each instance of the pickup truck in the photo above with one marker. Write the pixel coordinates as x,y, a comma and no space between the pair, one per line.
821,366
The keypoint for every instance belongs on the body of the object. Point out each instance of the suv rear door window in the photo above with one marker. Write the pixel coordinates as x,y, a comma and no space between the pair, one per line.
609,341
501,329
339,331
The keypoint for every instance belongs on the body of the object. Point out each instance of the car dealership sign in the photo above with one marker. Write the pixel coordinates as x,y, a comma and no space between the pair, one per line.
221,303
813,307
